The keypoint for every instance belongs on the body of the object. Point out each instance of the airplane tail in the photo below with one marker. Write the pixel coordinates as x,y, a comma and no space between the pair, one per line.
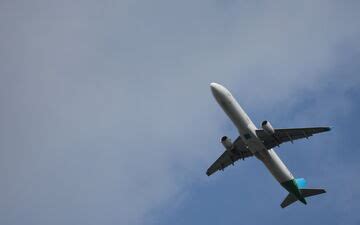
305,193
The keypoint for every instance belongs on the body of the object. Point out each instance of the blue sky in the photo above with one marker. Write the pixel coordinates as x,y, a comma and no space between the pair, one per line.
330,161
107,116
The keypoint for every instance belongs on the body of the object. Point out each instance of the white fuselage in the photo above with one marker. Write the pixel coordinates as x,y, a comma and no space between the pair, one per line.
247,131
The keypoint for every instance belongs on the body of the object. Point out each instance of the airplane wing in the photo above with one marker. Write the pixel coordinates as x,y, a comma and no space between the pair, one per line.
239,151
284,135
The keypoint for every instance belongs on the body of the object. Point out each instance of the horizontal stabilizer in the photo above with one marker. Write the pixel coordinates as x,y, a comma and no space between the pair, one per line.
311,192
290,199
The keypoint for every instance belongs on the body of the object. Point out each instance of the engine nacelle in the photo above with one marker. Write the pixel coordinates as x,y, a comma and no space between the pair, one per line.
227,143
267,127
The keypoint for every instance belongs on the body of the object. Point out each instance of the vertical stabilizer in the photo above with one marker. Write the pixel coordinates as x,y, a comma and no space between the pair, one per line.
301,182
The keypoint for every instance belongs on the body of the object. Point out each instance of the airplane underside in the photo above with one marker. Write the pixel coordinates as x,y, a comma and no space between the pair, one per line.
260,143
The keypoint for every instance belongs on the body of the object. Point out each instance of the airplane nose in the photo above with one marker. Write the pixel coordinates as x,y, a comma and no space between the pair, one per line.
218,90
214,86
215,89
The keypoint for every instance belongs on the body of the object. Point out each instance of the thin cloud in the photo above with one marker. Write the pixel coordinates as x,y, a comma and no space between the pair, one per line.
106,110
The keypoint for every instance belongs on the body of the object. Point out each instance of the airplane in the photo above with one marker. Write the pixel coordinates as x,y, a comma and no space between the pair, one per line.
260,143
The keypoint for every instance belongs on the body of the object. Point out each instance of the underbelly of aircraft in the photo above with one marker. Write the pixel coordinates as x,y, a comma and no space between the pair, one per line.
274,164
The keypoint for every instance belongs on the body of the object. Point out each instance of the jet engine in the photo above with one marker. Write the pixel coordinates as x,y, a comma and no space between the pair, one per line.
227,143
267,127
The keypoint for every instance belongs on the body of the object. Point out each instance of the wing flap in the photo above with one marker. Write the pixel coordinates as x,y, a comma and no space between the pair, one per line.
230,157
285,135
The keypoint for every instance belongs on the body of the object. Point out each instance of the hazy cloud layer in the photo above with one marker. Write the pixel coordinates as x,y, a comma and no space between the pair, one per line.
106,113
